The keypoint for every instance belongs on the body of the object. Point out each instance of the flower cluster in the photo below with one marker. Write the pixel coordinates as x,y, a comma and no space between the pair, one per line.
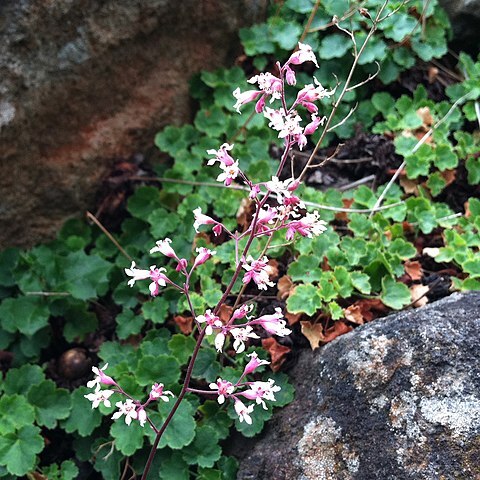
274,324
258,391
131,409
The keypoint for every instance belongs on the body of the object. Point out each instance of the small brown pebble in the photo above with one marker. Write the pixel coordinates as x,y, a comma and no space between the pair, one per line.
74,364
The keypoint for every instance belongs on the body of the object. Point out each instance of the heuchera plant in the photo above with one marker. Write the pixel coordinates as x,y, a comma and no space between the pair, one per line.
277,207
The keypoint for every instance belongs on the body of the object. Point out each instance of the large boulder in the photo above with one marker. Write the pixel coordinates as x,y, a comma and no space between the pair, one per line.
83,83
396,399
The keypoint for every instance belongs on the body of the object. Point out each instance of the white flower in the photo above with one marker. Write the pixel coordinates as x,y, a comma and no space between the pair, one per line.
260,391
243,411
303,54
142,416
100,396
211,320
100,377
230,172
157,391
155,274
285,125
128,409
220,341
224,387
241,335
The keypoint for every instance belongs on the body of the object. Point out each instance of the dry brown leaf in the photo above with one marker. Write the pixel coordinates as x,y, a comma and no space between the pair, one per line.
225,313
370,308
313,332
409,186
293,317
449,176
347,203
278,353
419,295
244,213
426,116
339,328
185,324
272,269
432,74
414,269
285,287
353,313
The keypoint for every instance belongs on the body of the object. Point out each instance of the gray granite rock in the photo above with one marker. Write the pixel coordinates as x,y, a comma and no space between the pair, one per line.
85,83
397,399
465,17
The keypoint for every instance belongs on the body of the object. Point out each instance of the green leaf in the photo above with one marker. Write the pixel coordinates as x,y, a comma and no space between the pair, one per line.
361,282
473,169
216,417
174,467
436,183
8,262
78,321
20,380
300,6
143,202
256,39
209,474
287,392
445,157
181,430
229,467
259,417
128,438
107,459
285,33
395,294
342,281
206,367
472,267
84,276
402,248
18,450
204,450
334,46
24,314
155,310
67,471
51,403
161,368
304,299
305,269
20,413
82,418
181,346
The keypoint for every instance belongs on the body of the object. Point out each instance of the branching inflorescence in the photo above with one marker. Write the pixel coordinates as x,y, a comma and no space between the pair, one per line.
277,208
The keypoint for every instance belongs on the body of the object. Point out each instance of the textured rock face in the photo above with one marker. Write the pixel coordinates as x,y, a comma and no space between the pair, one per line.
465,16
397,399
85,82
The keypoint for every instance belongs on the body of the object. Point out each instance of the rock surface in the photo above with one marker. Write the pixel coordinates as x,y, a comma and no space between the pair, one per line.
397,399
465,17
83,83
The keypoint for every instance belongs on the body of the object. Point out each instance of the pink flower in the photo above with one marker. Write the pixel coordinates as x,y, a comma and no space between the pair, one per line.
260,105
254,191
241,312
303,54
217,229
290,76
201,219
245,97
100,396
313,125
229,173
253,364
301,140
128,409
241,335
308,226
100,378
204,254
211,320
311,93
243,411
163,246
260,391
285,124
157,392
225,389
259,272
273,323
221,155
268,84
155,274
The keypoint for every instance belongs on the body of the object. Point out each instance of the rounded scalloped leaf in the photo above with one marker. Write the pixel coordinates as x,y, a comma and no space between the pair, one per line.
161,368
82,418
204,450
20,380
26,315
304,299
128,438
395,294
18,450
20,413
